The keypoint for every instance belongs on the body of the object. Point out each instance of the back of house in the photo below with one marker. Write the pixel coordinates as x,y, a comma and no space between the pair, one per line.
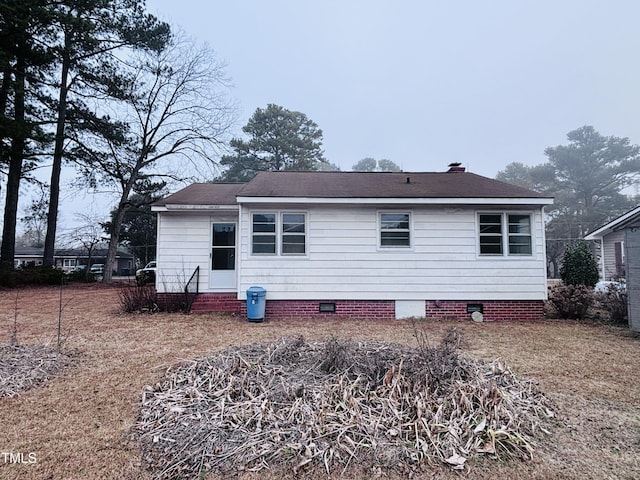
374,245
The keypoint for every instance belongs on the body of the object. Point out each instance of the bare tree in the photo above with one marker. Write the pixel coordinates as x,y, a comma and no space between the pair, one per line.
177,117
89,235
34,220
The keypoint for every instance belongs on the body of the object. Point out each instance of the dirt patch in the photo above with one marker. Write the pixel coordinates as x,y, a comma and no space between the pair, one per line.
77,424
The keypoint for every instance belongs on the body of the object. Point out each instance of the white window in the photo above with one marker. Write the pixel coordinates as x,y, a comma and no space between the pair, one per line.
395,229
263,236
519,234
491,234
294,238
505,232
284,232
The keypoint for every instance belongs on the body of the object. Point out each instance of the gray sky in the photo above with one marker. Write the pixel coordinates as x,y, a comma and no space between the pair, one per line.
426,83
422,82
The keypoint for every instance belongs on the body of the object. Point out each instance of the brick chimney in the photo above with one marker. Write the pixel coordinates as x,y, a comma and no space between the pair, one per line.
455,167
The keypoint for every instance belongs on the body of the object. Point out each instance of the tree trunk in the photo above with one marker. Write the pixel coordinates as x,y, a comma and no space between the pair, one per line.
116,226
16,156
114,239
4,89
56,169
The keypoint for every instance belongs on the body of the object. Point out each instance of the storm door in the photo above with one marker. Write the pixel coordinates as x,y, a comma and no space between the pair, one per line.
223,256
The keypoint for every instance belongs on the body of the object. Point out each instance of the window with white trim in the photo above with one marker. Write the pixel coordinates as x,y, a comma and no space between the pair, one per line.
519,234
263,233
284,233
505,232
69,262
294,238
395,229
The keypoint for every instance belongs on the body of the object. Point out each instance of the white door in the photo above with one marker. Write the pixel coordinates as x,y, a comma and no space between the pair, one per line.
223,256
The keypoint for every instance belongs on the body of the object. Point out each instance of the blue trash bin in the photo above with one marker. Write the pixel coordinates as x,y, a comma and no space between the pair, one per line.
256,303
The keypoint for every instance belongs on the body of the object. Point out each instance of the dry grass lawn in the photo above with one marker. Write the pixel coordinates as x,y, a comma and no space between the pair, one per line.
76,426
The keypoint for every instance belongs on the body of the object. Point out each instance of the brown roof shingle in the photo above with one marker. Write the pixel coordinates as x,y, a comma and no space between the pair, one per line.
381,185
350,185
204,194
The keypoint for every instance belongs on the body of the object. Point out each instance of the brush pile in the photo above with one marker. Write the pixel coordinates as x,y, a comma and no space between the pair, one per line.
300,406
25,366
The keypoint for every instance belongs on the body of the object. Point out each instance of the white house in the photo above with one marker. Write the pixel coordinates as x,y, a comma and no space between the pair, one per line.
387,245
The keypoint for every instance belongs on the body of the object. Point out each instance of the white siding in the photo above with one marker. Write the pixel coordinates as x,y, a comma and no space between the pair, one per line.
184,242
344,260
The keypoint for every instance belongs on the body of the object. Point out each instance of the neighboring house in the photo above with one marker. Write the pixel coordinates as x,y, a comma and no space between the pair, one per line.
70,259
24,256
620,257
611,243
374,245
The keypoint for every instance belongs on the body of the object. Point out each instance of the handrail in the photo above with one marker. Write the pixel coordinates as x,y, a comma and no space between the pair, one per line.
189,292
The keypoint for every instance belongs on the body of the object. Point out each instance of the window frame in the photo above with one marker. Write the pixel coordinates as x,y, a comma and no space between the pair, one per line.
510,234
69,262
506,234
482,234
409,230
279,234
267,233
284,234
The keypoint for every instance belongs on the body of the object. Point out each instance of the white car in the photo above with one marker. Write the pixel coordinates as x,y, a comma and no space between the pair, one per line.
148,273
97,268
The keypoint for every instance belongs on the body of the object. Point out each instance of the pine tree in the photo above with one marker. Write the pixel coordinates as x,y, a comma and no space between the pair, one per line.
279,139
23,63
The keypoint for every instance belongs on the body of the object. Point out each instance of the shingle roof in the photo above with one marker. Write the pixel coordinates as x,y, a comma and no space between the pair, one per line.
204,194
377,185
381,185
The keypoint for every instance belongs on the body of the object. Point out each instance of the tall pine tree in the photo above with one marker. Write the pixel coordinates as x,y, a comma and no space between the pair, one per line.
24,62
279,139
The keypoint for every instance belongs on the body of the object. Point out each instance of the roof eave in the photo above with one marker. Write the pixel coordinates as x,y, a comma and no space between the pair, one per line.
598,234
190,207
400,201
610,227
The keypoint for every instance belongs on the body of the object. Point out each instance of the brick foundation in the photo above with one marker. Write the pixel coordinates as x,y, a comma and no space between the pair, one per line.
372,309
228,303
493,310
